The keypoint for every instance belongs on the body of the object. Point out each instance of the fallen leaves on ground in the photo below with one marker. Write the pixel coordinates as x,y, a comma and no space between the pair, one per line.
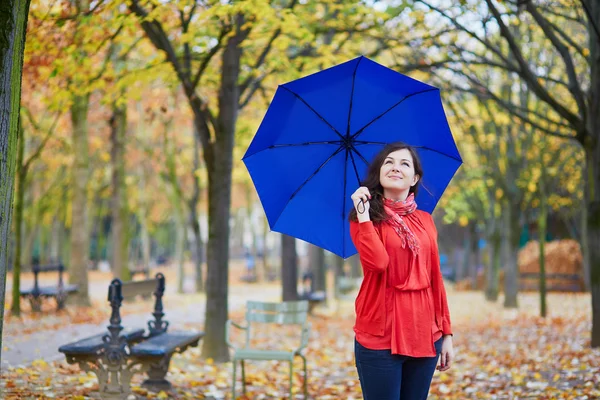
500,354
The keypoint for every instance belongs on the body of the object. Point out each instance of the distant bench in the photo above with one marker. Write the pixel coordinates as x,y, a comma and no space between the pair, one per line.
121,353
37,293
554,282
346,287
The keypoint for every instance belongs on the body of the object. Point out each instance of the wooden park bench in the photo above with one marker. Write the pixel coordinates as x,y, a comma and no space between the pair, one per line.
121,353
292,313
37,293
555,282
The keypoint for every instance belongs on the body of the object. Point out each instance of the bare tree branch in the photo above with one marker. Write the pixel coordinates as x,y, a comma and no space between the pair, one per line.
529,76
206,59
574,86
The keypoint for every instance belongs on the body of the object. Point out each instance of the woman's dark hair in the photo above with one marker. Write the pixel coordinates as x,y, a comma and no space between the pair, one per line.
371,182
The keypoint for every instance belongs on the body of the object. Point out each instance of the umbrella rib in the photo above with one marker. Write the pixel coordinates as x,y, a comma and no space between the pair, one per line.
344,201
314,173
362,157
357,142
273,146
361,130
313,110
354,165
352,97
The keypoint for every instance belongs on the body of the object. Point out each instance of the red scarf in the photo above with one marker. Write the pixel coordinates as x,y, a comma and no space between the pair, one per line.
396,210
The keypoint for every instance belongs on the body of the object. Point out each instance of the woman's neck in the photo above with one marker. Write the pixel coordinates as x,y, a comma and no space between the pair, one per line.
396,195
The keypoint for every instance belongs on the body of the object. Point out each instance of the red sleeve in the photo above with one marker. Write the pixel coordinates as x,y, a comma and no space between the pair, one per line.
442,311
373,255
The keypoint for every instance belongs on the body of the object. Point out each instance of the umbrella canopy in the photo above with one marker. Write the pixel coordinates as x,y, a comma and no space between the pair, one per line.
320,132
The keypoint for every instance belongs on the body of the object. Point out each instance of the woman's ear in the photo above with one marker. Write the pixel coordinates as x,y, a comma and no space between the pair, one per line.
416,179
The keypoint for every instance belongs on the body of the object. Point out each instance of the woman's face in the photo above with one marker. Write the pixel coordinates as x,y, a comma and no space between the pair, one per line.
397,173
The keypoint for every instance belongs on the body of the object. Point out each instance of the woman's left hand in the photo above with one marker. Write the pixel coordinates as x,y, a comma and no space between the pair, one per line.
447,356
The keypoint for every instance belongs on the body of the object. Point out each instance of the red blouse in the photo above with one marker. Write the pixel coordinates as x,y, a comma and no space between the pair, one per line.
402,302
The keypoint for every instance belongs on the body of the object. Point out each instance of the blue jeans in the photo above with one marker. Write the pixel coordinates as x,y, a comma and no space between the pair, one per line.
387,376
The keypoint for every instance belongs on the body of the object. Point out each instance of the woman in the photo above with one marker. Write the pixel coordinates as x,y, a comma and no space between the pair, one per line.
402,318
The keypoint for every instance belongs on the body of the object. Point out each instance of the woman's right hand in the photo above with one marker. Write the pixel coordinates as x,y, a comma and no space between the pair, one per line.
361,198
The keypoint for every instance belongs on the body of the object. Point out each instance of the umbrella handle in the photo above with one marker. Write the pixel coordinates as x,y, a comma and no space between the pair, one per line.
362,202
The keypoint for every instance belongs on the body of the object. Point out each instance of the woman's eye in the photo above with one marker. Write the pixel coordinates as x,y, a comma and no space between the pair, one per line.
388,162
406,164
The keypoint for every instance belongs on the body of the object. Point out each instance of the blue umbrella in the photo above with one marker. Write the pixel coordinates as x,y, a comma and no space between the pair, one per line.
319,134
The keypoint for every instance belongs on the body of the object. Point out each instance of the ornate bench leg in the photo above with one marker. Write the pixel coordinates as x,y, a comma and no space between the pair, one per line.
36,303
61,299
157,370
114,382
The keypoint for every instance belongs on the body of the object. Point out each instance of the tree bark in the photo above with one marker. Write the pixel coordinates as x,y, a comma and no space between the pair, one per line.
289,268
13,24
120,238
193,206
355,270
474,255
542,237
180,242
585,239
511,269
78,265
18,223
495,242
317,267
220,164
267,273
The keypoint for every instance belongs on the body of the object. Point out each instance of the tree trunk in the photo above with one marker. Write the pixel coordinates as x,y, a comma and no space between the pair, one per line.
317,267
289,268
542,237
180,242
585,238
13,24
495,245
219,202
593,192
145,238
267,273
193,206
463,267
338,266
78,265
118,127
474,255
355,270
18,223
511,269
55,242
198,250
594,237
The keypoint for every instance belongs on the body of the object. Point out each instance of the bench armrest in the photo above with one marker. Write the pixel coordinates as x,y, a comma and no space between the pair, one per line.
304,337
228,325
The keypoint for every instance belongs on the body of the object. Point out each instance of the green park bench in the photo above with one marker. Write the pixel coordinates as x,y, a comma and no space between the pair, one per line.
292,313
59,292
121,353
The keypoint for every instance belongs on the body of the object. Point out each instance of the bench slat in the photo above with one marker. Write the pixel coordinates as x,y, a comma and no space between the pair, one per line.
284,319
166,343
50,290
136,288
48,268
287,306
93,344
